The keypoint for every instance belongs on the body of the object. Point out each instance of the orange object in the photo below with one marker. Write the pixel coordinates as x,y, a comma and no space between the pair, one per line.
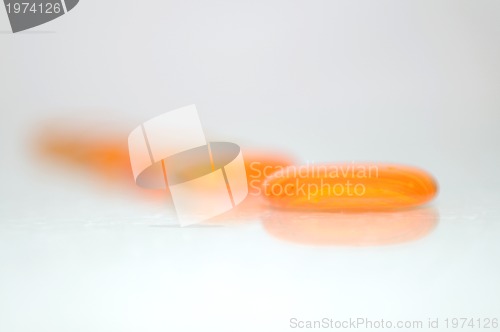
350,187
259,165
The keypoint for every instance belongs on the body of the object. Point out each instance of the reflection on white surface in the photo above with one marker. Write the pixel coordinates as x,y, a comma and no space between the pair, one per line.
352,229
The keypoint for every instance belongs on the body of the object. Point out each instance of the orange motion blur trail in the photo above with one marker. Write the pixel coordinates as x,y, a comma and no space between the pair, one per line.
106,156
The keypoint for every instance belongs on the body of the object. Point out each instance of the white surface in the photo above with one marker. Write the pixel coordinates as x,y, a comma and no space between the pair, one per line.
413,82
208,191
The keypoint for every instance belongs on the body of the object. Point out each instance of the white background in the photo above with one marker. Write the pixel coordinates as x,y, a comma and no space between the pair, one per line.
414,82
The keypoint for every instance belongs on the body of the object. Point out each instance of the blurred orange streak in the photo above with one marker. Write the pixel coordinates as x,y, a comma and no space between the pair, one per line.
259,165
107,157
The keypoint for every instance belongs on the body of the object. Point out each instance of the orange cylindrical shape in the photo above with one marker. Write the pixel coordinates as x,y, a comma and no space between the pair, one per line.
349,186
